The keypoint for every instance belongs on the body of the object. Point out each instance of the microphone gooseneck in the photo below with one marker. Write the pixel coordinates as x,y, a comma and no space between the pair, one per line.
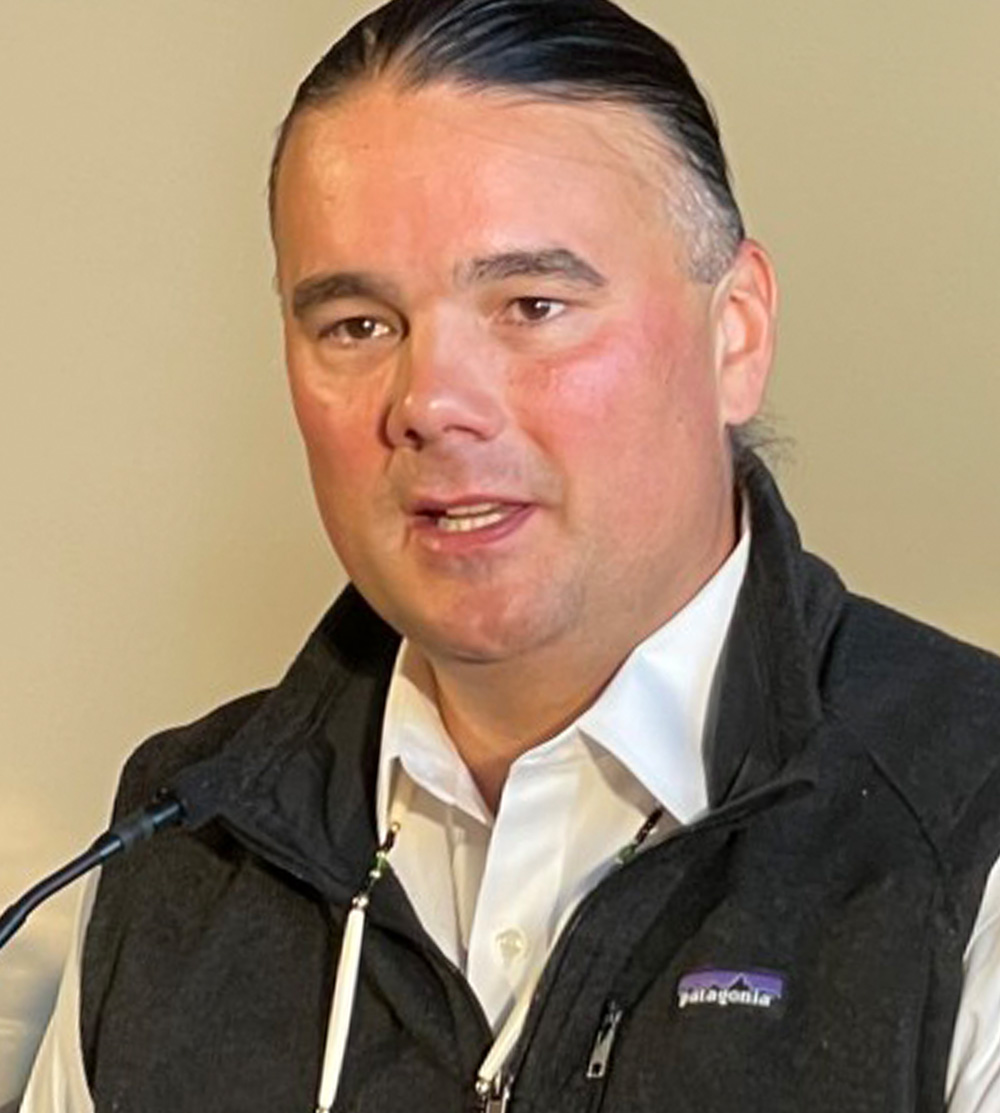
166,810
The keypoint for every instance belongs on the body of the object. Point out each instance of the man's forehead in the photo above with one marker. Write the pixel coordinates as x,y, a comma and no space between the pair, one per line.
382,179
380,119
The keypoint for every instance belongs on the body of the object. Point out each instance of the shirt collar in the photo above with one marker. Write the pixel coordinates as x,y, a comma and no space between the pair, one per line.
652,714
414,735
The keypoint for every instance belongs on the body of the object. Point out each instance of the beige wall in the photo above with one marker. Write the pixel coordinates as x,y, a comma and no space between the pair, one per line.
159,551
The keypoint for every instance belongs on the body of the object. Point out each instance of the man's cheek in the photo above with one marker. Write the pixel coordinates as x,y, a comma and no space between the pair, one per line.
340,433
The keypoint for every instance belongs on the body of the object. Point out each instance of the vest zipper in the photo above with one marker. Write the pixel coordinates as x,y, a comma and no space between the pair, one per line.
600,1053
599,1064
495,1098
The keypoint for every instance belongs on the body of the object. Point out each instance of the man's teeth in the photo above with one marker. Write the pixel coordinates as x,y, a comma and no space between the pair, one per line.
465,519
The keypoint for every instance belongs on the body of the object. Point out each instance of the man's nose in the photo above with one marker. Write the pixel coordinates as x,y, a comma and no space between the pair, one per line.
448,383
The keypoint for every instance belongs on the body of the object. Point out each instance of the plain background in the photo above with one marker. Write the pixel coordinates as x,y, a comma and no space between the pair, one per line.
159,551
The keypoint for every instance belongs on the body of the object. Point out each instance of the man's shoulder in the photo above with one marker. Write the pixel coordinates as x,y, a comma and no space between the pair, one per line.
925,705
891,656
159,758
348,658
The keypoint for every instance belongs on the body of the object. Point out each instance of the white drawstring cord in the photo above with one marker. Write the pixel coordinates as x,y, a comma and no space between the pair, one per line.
346,984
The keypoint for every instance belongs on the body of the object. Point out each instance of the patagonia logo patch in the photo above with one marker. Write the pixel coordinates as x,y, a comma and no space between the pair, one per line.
729,989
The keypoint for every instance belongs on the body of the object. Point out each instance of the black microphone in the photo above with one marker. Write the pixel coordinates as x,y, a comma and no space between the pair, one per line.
165,810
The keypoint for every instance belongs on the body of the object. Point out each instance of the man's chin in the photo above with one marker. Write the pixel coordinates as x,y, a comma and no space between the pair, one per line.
505,620
445,647
484,636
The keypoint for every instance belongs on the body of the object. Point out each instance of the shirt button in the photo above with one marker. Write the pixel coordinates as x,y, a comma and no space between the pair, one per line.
511,945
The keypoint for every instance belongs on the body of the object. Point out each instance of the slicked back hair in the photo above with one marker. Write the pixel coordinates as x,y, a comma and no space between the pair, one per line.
558,50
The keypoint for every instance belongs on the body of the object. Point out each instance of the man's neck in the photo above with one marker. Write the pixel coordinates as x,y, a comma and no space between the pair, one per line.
496,711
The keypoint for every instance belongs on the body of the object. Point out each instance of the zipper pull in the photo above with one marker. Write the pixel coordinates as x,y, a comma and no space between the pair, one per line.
493,1097
600,1053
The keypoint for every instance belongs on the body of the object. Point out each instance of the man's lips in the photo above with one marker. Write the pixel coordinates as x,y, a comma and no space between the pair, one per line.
466,515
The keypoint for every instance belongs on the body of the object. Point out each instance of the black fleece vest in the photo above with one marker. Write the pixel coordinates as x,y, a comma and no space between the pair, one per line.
797,949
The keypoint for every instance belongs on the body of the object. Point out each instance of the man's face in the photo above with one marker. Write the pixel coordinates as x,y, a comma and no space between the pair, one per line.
513,399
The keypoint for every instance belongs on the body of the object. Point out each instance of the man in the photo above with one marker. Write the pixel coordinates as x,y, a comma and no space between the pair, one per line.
644,811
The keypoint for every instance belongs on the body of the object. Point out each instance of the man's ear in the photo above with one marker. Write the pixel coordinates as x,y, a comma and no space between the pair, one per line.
744,308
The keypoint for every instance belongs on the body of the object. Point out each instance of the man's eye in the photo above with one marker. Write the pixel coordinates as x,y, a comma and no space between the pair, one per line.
534,311
355,330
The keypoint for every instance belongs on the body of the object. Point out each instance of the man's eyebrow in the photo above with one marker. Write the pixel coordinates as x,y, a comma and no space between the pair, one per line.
321,288
546,262
556,261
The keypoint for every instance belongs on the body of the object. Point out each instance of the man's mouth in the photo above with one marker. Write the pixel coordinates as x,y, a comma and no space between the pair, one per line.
466,519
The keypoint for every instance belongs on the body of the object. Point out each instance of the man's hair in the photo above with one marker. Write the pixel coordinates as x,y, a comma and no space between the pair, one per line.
557,50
